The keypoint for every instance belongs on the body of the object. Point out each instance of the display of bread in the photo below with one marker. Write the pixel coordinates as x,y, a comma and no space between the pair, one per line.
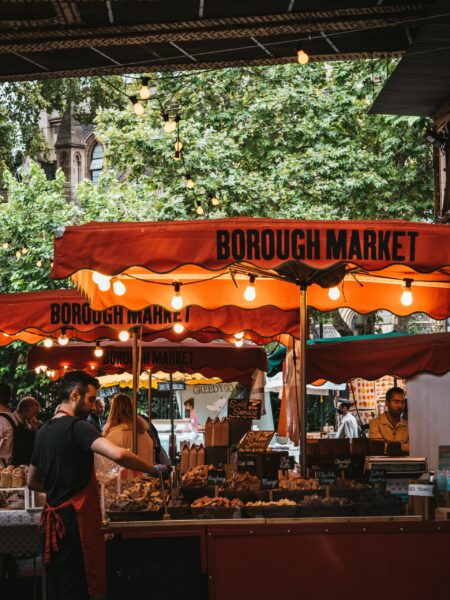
298,483
196,477
350,484
218,502
135,495
316,500
281,502
243,482
13,477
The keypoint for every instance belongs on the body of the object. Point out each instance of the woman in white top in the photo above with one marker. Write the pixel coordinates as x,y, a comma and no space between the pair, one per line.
119,430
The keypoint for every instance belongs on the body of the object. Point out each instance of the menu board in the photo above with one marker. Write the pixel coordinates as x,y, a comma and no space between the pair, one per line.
255,441
371,395
244,409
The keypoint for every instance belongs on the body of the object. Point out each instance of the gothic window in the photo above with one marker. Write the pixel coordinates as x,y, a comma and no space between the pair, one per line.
77,168
96,164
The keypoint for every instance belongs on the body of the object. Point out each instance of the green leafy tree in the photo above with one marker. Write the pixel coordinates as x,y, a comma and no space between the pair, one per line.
283,141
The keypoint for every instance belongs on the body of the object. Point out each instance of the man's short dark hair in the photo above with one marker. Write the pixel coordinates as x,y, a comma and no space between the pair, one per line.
5,394
76,380
345,403
26,403
394,390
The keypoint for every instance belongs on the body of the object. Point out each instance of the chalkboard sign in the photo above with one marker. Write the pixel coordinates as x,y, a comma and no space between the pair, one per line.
377,476
327,477
247,464
244,409
216,477
269,484
255,441
343,463
286,462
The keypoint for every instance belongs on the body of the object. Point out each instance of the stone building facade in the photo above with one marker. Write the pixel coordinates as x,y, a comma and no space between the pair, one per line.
72,147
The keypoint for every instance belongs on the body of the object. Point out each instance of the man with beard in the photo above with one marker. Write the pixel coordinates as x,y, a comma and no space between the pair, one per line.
390,426
62,465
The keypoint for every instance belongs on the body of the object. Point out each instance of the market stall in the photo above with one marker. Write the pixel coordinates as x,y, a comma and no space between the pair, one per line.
363,265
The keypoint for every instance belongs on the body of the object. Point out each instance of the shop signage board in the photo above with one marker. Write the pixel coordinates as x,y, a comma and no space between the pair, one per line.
244,409
256,441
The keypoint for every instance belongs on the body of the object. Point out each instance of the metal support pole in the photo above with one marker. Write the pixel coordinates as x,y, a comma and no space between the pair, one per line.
172,447
302,386
149,400
135,375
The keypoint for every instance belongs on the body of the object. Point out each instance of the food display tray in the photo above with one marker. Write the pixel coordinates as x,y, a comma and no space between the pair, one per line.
270,512
192,493
296,495
220,512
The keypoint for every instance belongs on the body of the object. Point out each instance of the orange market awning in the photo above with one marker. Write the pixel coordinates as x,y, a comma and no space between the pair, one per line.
33,316
212,360
212,260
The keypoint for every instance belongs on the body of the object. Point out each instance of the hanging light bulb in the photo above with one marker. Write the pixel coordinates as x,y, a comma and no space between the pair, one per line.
169,124
178,146
239,336
24,251
5,245
189,182
215,201
334,293
250,291
177,155
39,263
18,253
407,296
119,288
63,340
302,57
124,335
137,106
177,299
48,342
144,92
98,352
178,328
199,210
103,281
239,343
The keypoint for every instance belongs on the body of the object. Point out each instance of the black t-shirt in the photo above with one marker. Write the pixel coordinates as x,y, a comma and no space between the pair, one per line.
62,453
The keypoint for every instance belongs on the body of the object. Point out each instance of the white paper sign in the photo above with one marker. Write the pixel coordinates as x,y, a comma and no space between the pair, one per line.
421,489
